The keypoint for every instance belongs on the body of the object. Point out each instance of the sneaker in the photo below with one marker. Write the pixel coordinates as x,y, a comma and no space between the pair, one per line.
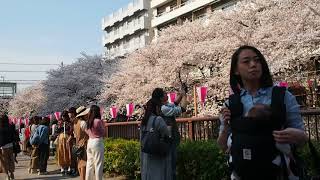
42,173
11,176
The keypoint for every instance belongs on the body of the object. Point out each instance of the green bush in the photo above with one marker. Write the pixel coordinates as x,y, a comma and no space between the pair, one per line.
308,160
201,160
196,159
121,157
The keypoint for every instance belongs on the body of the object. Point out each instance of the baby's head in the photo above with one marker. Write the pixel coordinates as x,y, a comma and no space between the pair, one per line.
260,111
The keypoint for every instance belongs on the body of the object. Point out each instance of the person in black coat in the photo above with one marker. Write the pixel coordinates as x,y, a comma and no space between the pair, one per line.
7,139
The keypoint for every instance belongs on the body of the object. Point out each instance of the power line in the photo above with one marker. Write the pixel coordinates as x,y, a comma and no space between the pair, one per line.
8,80
35,64
20,71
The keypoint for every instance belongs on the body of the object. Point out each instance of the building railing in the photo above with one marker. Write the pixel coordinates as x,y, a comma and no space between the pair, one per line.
179,6
204,128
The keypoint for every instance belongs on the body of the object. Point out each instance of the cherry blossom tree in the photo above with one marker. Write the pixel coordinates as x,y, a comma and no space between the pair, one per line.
29,100
4,104
199,52
77,84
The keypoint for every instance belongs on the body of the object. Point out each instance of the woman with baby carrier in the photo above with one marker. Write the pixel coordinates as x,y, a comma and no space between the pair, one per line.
259,143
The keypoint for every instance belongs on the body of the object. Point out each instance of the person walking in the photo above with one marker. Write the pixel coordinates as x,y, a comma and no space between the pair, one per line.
81,139
43,132
95,148
154,167
6,147
34,161
22,136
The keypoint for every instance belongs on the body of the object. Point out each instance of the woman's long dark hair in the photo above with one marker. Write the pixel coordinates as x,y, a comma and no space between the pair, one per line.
65,115
4,121
94,113
235,80
153,106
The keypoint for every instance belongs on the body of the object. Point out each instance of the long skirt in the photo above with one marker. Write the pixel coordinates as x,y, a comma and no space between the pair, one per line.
64,154
6,160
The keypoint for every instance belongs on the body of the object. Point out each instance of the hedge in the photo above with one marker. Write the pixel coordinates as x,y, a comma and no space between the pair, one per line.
196,159
121,157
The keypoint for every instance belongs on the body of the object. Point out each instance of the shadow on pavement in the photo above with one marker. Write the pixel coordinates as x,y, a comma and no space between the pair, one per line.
47,178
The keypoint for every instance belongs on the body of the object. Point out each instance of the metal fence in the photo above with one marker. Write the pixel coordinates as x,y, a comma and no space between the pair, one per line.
203,128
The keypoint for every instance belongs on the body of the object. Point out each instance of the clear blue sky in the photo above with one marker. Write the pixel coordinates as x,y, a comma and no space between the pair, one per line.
50,31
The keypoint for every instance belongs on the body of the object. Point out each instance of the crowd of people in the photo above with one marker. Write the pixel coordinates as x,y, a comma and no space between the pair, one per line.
77,138
260,125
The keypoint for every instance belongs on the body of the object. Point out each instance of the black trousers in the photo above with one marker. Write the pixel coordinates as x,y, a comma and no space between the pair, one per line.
43,156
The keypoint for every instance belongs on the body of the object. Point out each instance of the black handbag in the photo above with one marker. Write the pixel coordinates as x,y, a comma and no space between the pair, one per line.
152,142
78,151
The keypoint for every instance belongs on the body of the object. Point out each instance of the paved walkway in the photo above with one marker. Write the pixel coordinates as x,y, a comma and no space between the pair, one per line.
21,172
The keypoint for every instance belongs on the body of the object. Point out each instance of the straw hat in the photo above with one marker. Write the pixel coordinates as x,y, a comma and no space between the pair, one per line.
81,111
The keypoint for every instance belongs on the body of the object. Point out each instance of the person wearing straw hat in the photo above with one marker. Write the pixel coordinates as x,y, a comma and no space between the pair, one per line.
81,138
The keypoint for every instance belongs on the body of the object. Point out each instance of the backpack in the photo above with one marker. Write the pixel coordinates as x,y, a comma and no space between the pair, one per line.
253,147
153,143
35,138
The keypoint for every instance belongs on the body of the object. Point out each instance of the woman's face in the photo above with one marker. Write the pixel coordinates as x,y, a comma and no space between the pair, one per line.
164,99
249,67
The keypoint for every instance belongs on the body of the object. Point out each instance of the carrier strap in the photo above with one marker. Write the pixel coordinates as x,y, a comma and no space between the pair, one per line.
278,107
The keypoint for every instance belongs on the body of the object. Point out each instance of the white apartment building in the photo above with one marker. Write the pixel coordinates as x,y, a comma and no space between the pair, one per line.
170,12
127,29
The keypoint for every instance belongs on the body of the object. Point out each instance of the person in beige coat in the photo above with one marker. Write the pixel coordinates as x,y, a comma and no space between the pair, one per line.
81,138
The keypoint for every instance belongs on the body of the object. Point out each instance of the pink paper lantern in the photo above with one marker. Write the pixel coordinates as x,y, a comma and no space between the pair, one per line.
172,97
113,112
202,94
283,84
130,109
57,115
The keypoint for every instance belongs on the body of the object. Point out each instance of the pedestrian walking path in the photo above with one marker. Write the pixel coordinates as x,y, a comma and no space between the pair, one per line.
21,172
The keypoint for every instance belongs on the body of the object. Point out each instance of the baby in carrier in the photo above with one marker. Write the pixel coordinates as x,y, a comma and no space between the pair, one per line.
262,111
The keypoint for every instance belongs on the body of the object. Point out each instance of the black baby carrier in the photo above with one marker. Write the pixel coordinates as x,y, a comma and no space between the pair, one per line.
253,147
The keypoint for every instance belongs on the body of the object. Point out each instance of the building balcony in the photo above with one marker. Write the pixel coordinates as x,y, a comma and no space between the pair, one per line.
157,3
122,13
128,31
123,49
179,10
